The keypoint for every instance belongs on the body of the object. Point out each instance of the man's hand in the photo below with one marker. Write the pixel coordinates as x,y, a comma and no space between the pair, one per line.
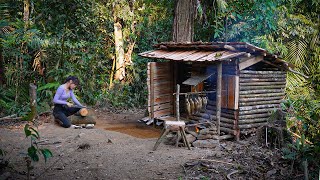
69,104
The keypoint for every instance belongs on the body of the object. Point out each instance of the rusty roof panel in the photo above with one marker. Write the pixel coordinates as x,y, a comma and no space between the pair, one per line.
197,55
213,56
192,55
179,56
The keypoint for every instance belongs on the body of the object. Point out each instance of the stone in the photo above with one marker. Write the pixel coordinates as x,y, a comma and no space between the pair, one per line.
204,136
208,143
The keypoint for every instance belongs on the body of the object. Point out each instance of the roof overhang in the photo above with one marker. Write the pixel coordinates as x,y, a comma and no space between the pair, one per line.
210,52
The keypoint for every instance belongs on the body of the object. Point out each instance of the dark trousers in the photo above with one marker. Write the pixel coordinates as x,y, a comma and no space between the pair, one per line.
61,113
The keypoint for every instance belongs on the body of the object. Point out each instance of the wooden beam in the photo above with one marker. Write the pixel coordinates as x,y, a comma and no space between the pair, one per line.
177,103
152,93
249,62
218,96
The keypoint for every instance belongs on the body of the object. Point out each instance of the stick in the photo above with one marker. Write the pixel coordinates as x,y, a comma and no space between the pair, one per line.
7,118
217,161
233,172
296,135
10,116
305,170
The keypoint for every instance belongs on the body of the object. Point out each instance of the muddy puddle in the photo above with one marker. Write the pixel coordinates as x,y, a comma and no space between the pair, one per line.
138,130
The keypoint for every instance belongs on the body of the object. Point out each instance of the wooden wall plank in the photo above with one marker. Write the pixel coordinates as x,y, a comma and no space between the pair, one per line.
160,89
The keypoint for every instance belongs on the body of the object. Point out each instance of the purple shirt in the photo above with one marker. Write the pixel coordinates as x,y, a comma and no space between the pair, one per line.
62,96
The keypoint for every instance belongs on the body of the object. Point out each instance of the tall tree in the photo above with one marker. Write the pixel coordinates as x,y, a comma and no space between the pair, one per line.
123,15
183,24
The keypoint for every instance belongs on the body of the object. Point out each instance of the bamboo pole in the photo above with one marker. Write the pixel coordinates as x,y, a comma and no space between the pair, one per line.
218,95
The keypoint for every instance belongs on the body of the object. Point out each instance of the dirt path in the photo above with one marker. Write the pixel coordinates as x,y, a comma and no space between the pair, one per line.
99,153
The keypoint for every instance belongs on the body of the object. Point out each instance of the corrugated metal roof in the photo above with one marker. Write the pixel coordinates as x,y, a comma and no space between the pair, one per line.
191,55
210,51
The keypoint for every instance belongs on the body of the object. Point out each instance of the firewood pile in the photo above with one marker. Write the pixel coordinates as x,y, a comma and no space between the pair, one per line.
201,135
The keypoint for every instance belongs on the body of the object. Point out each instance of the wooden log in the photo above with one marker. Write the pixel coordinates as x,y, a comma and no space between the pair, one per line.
227,125
252,121
226,120
228,130
231,116
82,120
254,125
83,112
260,99
253,116
259,103
261,72
264,76
262,83
177,103
255,111
213,113
218,95
244,80
152,94
261,91
261,95
270,86
247,108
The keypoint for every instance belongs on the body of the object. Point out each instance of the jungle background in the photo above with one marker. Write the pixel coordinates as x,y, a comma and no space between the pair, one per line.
43,42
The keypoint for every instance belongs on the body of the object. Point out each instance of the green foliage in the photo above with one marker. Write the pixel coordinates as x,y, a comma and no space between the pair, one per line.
303,118
34,150
2,152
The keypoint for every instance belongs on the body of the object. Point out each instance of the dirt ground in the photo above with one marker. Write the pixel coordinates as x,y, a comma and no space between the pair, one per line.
119,147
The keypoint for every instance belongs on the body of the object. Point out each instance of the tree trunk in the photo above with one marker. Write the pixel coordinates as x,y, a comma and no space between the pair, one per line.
183,23
26,13
2,78
119,51
33,102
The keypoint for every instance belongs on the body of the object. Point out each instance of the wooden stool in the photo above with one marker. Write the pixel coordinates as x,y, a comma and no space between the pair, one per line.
175,126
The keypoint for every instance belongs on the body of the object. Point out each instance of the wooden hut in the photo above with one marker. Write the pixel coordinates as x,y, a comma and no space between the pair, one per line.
243,83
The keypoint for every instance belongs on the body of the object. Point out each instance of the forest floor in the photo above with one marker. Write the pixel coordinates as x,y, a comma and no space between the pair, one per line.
120,147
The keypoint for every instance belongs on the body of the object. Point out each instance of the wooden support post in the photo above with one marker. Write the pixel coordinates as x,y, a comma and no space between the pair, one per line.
184,137
152,94
163,134
218,97
177,103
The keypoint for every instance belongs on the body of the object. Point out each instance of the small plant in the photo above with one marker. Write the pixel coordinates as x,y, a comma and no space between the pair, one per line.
34,151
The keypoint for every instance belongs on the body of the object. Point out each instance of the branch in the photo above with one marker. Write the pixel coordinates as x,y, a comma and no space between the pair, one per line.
299,73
